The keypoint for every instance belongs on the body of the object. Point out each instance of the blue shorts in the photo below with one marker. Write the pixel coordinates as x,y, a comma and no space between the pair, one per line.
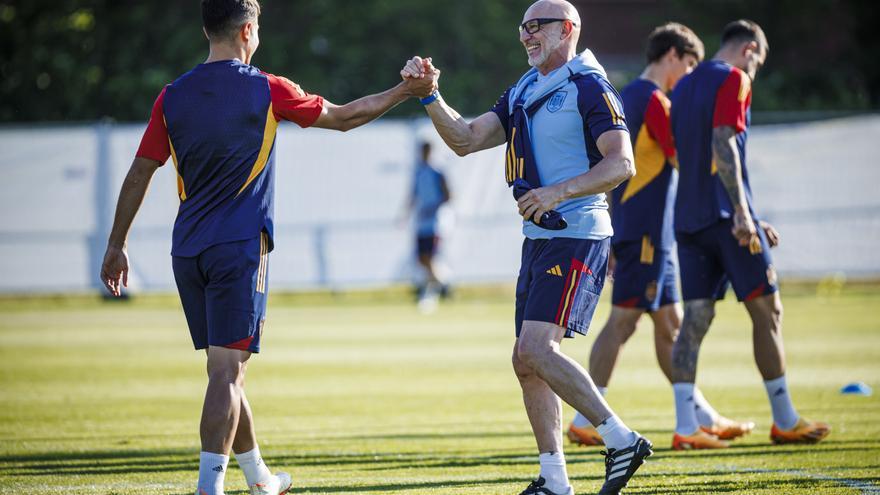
711,259
223,291
644,277
559,282
426,244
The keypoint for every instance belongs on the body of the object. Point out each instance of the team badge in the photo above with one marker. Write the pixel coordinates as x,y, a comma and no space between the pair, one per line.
556,101
651,291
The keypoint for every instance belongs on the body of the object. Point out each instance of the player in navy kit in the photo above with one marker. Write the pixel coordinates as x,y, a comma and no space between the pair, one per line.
645,267
720,240
217,122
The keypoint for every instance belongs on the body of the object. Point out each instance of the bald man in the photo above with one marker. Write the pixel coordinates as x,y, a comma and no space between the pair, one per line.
567,144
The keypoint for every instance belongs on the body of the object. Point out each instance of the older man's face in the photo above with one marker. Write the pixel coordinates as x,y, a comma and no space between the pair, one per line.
540,44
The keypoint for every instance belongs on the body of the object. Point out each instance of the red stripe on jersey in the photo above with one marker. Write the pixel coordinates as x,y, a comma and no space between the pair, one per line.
628,303
290,102
154,143
733,100
657,122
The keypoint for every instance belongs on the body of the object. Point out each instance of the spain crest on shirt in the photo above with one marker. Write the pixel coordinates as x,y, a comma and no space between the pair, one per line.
556,101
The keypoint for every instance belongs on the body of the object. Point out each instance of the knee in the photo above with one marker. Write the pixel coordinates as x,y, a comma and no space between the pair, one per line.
231,373
531,352
521,369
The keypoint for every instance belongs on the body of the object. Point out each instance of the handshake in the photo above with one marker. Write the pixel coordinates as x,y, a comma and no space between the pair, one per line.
420,77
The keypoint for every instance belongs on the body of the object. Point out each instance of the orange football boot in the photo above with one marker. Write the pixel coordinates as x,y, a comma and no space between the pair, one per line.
728,429
804,431
698,440
584,436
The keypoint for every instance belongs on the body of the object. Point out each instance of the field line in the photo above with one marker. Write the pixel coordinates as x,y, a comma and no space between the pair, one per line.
864,487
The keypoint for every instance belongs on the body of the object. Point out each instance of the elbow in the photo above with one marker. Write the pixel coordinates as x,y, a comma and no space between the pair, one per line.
461,150
627,169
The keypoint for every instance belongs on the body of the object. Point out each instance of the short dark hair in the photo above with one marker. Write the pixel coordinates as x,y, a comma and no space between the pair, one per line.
745,30
223,17
673,35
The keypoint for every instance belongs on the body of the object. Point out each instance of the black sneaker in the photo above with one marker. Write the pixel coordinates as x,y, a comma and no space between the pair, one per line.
537,488
621,464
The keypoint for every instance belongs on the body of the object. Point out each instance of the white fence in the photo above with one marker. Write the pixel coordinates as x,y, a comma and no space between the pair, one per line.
338,195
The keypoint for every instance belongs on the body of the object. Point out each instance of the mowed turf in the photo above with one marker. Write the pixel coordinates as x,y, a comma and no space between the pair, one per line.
372,397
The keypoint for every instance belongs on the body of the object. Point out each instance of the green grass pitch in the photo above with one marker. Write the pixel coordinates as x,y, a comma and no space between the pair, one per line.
369,396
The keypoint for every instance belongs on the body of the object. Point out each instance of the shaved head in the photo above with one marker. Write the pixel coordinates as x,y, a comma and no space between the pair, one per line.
553,8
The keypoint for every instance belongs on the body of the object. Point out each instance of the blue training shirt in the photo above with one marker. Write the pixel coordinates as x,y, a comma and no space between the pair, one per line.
563,133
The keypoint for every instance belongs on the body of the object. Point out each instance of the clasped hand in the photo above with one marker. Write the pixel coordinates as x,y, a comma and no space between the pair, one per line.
420,77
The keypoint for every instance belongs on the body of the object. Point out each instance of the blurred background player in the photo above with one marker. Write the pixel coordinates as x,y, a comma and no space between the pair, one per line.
567,139
429,192
645,271
720,240
218,123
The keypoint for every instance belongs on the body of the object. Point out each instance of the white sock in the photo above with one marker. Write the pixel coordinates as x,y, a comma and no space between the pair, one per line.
212,472
580,421
255,470
685,410
553,471
615,434
784,414
706,414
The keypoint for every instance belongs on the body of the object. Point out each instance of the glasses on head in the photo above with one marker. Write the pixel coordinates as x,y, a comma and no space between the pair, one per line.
532,26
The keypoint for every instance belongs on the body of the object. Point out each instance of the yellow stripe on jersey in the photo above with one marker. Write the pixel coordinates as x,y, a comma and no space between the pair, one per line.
181,189
650,161
616,114
263,156
745,86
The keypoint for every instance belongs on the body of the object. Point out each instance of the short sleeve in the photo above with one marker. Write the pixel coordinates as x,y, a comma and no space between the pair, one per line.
290,102
601,107
733,100
657,122
502,109
154,143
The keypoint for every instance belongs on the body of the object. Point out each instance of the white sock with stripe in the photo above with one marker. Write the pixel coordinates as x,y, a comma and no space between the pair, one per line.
706,414
685,410
615,434
784,414
580,421
553,471
212,472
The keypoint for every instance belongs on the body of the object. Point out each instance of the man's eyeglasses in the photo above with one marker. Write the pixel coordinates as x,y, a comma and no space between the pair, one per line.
532,26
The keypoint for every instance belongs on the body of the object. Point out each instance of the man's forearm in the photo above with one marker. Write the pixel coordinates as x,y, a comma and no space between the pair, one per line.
602,178
727,162
132,194
369,108
452,127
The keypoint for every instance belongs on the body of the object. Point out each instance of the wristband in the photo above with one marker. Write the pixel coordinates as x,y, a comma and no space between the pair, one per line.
430,98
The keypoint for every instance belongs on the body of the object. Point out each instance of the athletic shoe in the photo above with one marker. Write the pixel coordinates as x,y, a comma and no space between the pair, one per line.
728,429
584,436
698,440
804,431
621,465
537,488
278,484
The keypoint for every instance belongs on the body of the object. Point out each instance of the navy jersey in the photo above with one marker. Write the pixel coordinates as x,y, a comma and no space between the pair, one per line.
218,124
643,205
715,94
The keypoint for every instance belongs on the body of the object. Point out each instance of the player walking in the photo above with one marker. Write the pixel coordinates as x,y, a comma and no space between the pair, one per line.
720,240
645,269
567,143
218,124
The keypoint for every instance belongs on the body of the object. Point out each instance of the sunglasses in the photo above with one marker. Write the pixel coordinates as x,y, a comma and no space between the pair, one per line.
532,26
